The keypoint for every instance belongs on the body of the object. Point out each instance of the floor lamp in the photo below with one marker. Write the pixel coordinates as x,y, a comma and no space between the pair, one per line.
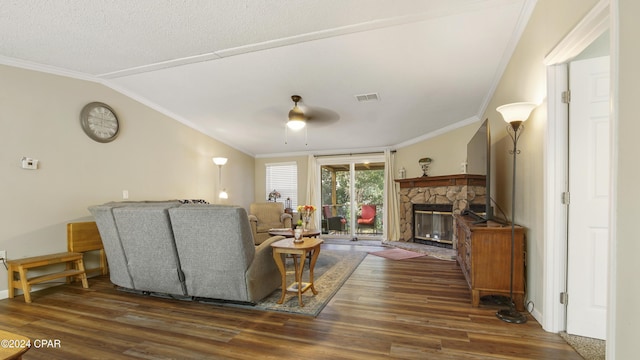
514,114
220,161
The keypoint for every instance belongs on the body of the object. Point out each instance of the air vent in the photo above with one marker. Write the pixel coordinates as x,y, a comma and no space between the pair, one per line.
368,97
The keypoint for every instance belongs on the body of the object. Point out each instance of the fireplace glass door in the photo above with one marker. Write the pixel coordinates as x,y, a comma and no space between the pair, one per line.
433,227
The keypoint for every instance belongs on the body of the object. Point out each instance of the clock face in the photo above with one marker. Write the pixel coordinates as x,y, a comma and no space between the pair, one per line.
100,122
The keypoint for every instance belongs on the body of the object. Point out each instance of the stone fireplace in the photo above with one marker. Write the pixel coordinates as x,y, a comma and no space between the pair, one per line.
449,192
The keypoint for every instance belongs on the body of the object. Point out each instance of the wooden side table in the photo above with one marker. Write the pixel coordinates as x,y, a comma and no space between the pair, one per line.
288,247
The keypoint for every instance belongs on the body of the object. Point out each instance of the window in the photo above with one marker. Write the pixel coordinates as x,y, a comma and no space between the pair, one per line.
283,177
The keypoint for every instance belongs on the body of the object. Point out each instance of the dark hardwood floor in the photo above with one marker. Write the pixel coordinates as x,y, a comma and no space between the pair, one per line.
412,309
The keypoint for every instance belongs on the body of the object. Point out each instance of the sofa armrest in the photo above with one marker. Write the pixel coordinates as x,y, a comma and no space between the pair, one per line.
263,249
285,216
264,267
253,221
285,219
267,243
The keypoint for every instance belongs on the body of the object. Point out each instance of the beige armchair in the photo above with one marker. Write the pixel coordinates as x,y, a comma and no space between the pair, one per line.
266,216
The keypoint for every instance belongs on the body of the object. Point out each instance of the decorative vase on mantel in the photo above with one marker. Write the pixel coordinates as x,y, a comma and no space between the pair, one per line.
424,164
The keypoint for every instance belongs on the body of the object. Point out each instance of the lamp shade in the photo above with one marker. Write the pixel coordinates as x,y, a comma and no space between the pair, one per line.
223,194
516,111
219,160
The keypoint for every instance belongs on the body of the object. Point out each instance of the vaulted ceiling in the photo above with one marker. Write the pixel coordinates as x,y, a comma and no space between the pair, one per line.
228,68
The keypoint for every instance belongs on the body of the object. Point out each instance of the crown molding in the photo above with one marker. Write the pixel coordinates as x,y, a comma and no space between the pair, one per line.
594,24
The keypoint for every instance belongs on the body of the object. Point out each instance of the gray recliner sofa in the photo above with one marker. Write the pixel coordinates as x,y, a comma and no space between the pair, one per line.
188,250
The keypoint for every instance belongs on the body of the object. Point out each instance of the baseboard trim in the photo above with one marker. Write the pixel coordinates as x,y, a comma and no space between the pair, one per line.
4,294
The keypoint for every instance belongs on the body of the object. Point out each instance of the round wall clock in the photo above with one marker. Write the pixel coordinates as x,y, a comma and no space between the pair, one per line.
99,122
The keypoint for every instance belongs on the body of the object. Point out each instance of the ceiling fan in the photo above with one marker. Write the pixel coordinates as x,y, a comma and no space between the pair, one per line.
298,118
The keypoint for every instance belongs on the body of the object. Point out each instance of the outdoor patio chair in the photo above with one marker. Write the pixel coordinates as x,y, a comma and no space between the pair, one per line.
367,217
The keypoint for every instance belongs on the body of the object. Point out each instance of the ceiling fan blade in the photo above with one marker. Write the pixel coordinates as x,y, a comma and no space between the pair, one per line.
321,116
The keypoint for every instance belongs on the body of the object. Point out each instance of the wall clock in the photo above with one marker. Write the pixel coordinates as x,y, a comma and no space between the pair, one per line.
99,122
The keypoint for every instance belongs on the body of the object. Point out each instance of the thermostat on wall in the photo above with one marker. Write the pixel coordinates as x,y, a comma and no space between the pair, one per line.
29,164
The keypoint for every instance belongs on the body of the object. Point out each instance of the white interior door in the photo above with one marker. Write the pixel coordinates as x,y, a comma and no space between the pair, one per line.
589,186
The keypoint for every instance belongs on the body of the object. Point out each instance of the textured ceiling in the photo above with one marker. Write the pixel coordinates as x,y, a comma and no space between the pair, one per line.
228,68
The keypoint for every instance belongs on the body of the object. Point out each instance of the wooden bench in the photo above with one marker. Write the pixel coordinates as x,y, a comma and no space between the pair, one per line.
21,267
81,237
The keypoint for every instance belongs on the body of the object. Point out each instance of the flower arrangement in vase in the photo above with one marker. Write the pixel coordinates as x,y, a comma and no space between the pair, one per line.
305,212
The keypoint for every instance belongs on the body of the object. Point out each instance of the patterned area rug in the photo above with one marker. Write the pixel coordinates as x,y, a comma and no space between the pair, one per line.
397,254
332,269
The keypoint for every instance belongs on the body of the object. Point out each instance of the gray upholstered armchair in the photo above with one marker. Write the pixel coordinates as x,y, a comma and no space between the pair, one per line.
265,216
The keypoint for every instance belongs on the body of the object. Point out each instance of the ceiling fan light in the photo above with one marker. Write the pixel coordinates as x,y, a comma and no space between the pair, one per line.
296,119
296,124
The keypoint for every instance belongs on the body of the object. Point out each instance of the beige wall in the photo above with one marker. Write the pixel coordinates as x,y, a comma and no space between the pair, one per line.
154,157
447,151
626,322
524,79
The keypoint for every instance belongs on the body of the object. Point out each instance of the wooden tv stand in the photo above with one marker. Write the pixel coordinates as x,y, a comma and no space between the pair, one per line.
484,254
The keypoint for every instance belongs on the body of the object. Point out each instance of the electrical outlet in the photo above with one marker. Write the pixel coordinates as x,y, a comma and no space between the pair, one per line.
3,254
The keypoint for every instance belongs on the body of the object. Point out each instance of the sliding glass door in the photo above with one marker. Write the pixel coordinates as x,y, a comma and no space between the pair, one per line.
352,196
335,193
369,199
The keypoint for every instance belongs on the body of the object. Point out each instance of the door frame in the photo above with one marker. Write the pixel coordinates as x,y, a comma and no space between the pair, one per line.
601,18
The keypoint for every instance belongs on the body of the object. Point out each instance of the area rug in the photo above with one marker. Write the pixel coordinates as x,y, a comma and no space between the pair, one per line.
588,348
350,242
397,254
433,251
332,270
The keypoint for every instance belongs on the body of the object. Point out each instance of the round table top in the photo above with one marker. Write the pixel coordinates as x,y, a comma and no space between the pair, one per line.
288,233
287,244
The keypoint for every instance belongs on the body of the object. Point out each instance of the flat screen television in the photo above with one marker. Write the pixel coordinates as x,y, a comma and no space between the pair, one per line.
479,163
